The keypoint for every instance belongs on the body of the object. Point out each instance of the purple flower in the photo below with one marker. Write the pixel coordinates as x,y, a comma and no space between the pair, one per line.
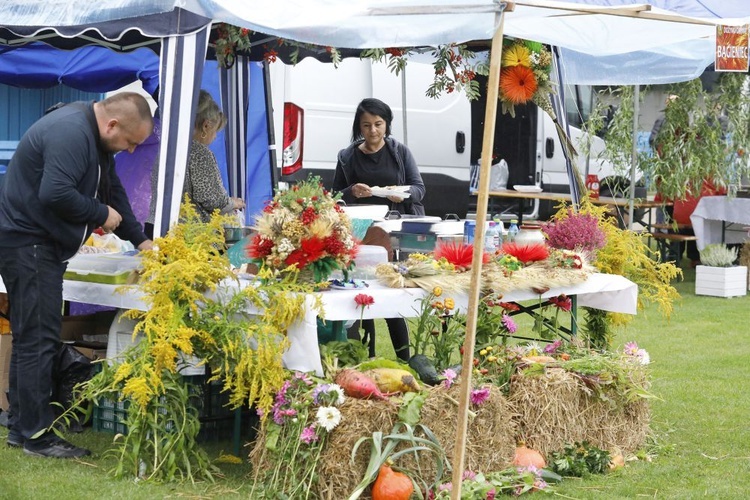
308,435
509,324
491,494
575,232
450,376
468,474
479,396
553,347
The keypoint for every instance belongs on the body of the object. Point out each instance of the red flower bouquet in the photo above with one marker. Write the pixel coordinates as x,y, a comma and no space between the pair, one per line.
305,228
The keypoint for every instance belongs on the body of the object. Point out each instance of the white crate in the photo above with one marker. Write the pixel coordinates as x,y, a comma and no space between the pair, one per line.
721,281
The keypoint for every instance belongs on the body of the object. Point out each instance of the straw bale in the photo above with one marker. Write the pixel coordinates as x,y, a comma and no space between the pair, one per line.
553,409
359,418
490,439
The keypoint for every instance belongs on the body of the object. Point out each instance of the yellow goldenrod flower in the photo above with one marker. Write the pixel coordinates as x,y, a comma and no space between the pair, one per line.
483,352
489,348
449,304
437,291
123,371
491,359
138,390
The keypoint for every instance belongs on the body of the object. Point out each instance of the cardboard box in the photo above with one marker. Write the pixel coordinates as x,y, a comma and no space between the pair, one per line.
88,333
5,345
4,311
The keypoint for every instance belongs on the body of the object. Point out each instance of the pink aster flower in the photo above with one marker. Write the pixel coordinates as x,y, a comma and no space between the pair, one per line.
450,376
509,324
468,474
631,348
491,494
479,396
308,435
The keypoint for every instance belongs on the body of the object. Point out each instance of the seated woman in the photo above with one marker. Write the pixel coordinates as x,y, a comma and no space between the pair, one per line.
203,183
376,159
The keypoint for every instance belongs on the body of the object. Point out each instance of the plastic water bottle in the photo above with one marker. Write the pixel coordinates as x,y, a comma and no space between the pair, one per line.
490,238
512,230
499,230
469,226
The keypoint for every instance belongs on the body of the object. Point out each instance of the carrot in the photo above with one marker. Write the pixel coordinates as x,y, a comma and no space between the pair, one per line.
358,385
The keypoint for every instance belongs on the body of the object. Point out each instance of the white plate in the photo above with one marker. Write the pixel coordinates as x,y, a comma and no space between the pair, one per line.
527,189
395,191
347,285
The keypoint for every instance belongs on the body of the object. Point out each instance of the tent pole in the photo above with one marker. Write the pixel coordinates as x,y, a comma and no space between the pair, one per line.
634,155
476,265
403,105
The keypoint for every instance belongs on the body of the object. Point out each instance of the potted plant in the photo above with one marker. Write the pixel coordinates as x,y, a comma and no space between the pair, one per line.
718,276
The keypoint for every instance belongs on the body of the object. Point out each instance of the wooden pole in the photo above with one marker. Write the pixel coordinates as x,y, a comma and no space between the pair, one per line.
476,265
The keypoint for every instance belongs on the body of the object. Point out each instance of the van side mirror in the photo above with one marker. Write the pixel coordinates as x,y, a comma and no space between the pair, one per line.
460,142
549,147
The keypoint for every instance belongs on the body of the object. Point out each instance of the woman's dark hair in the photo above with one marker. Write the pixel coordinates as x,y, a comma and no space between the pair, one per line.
374,107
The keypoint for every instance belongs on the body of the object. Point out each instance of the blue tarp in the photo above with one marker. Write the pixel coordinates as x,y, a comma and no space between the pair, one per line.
98,69
92,69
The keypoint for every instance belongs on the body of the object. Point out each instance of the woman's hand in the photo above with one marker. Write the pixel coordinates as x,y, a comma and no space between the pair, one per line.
238,203
360,190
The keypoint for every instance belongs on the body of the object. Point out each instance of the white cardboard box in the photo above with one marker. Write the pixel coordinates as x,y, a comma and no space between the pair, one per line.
721,281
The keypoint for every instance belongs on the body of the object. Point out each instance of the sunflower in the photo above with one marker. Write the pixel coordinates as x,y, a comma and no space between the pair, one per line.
517,55
517,84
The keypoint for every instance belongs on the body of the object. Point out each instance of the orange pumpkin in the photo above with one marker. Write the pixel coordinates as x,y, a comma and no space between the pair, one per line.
525,457
391,485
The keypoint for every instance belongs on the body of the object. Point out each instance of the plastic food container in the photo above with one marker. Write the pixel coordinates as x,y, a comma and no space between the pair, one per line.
368,258
110,269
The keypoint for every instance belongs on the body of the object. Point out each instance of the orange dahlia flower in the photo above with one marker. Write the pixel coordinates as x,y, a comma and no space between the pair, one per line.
517,84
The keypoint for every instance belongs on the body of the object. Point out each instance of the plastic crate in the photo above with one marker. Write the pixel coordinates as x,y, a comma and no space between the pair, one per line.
208,399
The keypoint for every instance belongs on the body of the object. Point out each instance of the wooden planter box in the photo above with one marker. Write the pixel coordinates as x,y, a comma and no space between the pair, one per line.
721,281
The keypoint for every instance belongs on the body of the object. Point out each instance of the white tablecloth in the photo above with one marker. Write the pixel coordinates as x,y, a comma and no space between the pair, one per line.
712,212
602,291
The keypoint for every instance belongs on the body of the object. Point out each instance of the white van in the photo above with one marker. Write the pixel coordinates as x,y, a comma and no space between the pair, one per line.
314,105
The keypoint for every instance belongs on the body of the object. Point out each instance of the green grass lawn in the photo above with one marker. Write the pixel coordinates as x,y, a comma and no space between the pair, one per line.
699,368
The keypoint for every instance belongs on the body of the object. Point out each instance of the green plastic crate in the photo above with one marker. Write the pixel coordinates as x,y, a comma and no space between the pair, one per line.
208,399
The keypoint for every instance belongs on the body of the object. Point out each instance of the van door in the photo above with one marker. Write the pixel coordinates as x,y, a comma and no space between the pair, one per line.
515,142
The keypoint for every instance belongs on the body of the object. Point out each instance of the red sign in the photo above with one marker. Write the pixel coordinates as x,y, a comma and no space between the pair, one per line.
732,48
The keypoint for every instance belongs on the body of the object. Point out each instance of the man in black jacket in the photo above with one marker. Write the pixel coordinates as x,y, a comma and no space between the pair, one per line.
60,185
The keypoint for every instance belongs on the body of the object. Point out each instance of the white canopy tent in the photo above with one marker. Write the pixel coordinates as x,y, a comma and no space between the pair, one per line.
601,41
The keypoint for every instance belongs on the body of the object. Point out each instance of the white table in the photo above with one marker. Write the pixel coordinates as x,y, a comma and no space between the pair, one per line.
601,291
713,214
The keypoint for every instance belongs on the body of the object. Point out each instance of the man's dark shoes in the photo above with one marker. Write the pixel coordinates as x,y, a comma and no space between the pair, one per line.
54,447
15,440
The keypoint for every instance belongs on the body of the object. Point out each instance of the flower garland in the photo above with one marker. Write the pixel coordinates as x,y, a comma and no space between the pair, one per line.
304,229
524,75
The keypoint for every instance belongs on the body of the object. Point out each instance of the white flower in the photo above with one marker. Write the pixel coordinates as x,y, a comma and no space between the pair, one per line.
643,356
339,393
328,417
285,246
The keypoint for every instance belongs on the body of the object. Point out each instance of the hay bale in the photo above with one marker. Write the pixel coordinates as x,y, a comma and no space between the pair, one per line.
490,439
553,409
359,418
